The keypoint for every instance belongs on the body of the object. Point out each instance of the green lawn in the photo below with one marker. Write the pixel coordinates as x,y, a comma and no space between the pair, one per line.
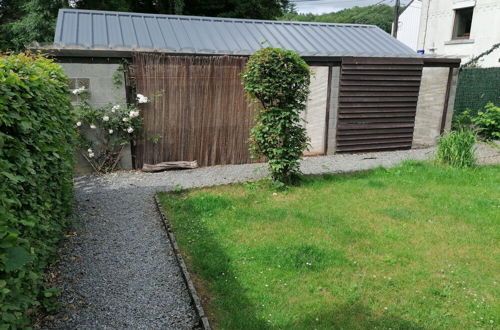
413,247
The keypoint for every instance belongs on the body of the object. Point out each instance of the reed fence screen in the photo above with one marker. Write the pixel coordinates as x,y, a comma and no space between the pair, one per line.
198,109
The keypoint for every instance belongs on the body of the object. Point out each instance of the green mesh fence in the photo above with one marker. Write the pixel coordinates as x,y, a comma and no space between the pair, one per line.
476,87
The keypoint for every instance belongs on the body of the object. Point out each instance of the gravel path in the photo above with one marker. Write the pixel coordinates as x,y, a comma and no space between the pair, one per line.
118,270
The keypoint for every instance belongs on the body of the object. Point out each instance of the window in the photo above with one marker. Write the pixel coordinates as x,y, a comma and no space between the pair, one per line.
75,83
463,23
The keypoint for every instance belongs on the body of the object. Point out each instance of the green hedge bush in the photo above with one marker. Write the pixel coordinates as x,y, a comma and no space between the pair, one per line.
36,167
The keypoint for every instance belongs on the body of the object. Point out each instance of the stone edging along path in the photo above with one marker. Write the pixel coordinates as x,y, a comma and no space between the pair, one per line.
195,298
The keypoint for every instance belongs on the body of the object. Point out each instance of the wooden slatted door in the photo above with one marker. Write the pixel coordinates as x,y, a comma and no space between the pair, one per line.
198,109
377,103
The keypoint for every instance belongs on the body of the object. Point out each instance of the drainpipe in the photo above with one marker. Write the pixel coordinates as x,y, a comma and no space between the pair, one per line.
426,4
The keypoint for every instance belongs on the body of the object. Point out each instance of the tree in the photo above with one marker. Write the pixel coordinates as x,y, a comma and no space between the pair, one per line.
24,21
279,80
256,9
379,15
33,20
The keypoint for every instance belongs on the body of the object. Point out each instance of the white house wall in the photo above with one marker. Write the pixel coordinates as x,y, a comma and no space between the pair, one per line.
409,24
436,27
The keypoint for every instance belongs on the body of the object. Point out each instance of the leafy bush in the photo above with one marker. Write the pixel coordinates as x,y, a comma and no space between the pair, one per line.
462,120
279,80
488,122
36,167
456,148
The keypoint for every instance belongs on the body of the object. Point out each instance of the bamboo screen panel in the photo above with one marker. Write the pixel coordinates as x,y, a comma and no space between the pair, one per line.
197,107
377,103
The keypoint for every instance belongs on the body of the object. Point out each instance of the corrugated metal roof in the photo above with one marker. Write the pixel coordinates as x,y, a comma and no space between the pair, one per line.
205,35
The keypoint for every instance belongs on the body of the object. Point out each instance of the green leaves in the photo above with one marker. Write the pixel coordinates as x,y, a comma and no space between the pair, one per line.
16,258
279,80
488,122
37,141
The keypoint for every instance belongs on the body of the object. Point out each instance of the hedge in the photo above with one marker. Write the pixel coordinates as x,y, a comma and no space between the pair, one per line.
36,166
476,87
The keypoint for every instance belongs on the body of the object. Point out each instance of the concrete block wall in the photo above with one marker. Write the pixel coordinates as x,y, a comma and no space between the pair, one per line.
451,99
430,105
315,113
333,109
102,92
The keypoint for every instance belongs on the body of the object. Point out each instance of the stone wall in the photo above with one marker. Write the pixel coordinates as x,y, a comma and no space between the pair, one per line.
431,101
102,92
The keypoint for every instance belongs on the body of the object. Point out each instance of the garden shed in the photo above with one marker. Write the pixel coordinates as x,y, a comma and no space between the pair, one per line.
369,92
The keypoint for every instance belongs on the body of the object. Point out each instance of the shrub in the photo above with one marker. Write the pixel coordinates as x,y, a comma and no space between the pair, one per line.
462,120
36,167
488,122
103,133
279,80
456,148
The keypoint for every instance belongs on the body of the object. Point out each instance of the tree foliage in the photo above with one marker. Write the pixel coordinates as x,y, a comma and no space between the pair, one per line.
36,179
379,15
279,80
24,21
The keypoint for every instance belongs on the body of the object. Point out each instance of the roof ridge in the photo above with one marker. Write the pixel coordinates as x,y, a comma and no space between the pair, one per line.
227,19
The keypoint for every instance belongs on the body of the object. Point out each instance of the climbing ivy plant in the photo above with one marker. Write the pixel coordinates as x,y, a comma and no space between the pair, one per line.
279,81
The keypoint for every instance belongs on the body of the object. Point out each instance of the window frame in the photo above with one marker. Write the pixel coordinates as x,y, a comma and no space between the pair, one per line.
457,11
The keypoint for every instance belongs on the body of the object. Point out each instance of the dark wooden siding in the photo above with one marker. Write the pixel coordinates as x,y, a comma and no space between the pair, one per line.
377,103
198,109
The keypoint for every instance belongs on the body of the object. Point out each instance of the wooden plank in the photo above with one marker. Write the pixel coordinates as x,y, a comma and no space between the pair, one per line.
372,120
379,93
381,77
369,99
374,148
354,132
377,105
377,109
382,72
362,88
373,126
382,60
403,140
379,115
402,67
380,83
373,136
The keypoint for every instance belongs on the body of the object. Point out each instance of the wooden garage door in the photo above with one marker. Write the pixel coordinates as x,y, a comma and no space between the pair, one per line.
377,103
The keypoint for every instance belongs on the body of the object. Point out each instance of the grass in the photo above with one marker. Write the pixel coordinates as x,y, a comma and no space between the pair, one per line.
456,148
413,247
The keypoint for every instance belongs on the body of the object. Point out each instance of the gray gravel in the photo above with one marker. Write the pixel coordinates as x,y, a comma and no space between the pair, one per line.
118,270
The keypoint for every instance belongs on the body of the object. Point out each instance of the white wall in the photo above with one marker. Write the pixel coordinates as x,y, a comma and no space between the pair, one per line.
409,24
437,25
315,113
